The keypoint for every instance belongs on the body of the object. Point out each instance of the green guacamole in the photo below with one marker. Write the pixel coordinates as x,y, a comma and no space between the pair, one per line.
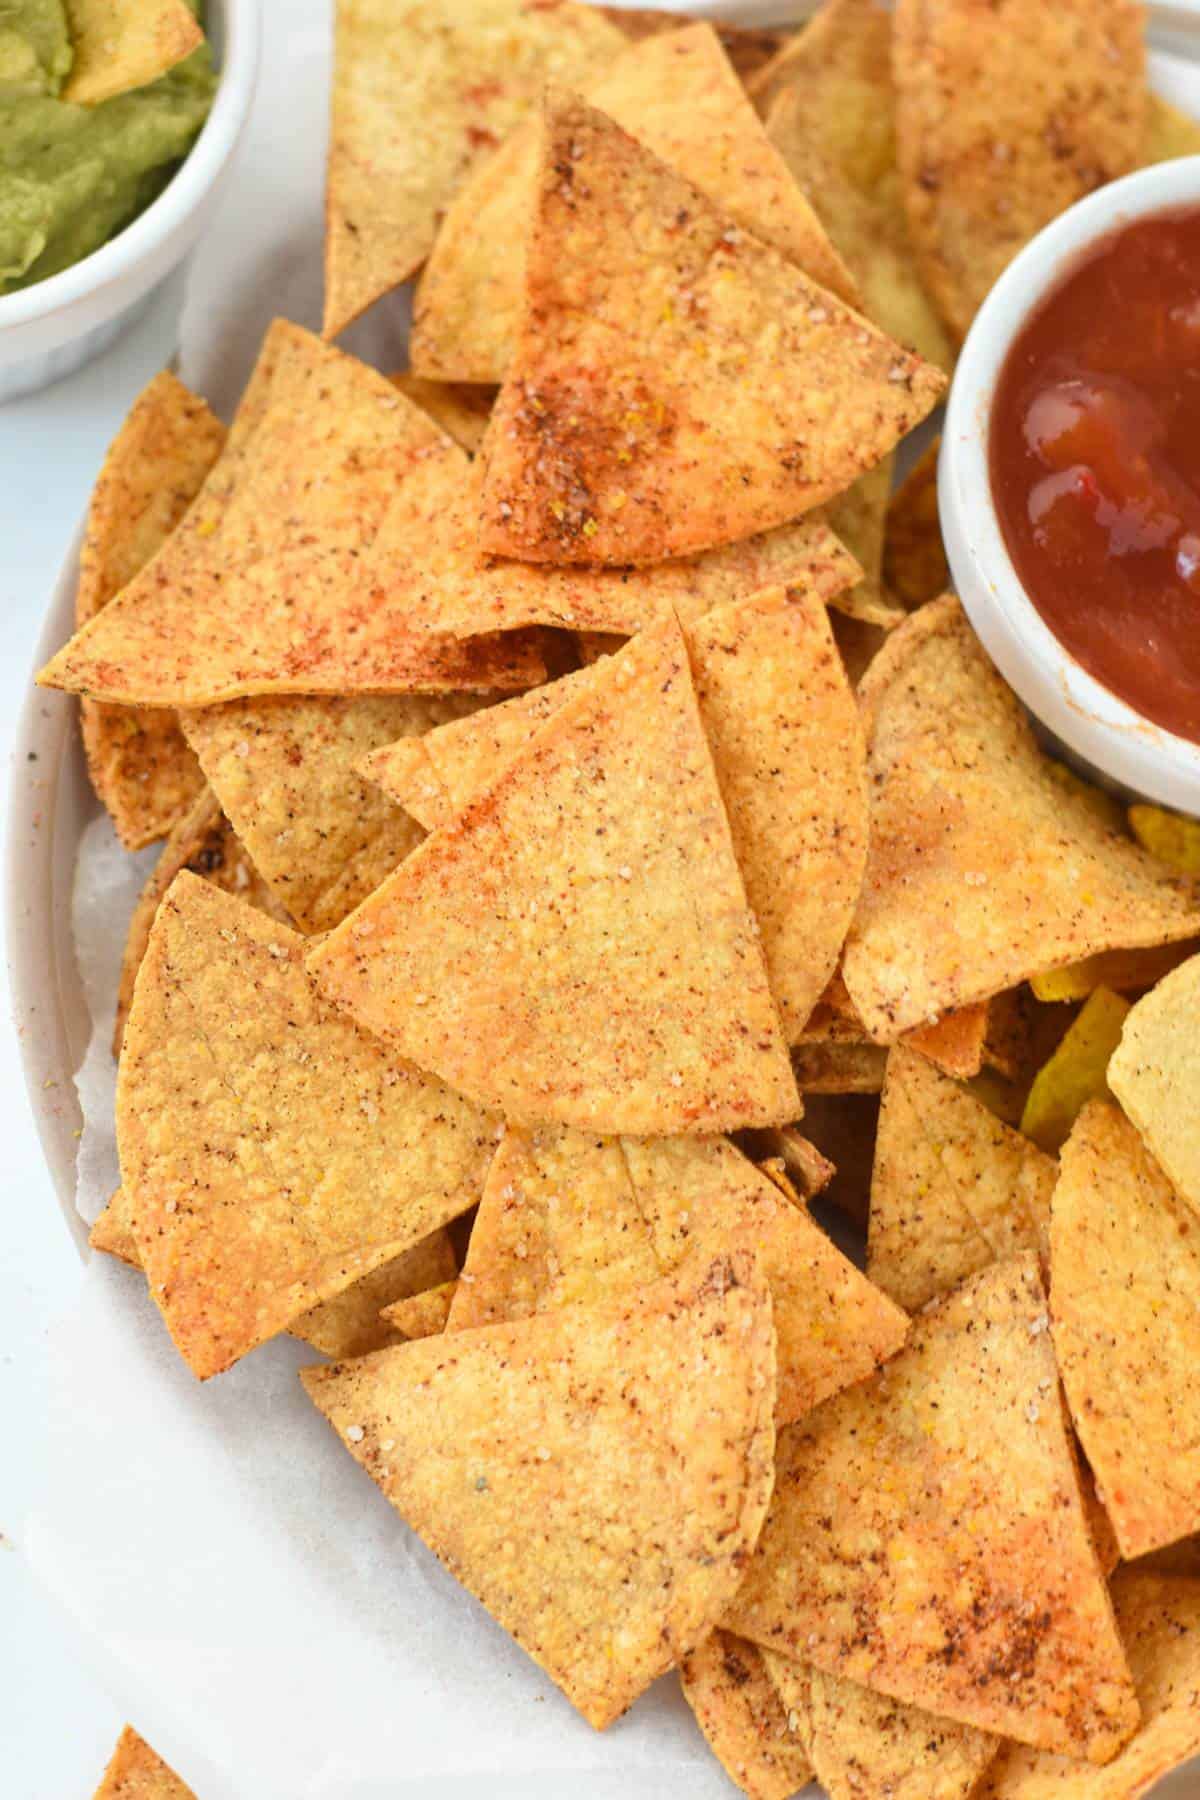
71,177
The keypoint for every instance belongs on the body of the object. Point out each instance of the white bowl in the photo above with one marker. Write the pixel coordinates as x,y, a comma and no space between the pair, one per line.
49,330
1098,731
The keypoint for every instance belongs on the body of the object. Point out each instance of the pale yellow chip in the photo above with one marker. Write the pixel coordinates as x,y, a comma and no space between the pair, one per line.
123,44
421,1315
420,95
137,1773
953,1189
1077,1071
321,1154
1173,839
983,869
1121,971
642,333
1169,132
270,585
1004,118
462,411
857,516
1159,1617
736,1707
140,765
830,111
284,770
1155,1074
603,1528
914,556
678,95
927,1538
575,946
358,1320
568,1217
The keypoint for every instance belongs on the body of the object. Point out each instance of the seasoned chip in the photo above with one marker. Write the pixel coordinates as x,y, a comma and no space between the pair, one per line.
738,1710
640,334
141,768
357,1320
586,915
321,1155
268,585
461,410
422,1315
420,95
1005,116
517,1450
124,44
1076,1073
983,870
136,1773
1172,839
677,94
1155,1074
914,556
113,1231
927,1537
857,516
953,1189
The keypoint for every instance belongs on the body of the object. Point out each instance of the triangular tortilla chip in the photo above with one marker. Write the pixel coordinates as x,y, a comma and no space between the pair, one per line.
420,96
857,516
421,1315
1125,1301
141,767
137,1773
640,334
914,556
124,44
1159,1617
566,1217
596,1476
748,47
1076,1072
461,411
737,1709
284,770
953,1189
679,97
269,585
575,946
927,1537
321,1156
983,869
1155,1074
1003,120
1121,971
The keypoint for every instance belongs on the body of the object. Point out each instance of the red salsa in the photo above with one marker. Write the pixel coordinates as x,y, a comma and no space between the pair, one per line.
1095,465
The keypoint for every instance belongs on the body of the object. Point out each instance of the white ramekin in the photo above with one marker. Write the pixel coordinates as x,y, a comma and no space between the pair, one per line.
54,327
1098,731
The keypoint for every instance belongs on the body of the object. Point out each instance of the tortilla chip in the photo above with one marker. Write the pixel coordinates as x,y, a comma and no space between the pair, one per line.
830,111
927,1538
955,1042
585,913
113,1231
1004,118
141,768
322,1156
1169,837
914,556
1155,1074
422,1315
460,410
1076,1073
749,47
736,1707
205,843
517,1449
1121,971
1169,132
857,517
953,1188
136,1773
125,44
285,772
269,584
569,1218
357,1321
677,94
639,335
420,96
1159,1619
983,870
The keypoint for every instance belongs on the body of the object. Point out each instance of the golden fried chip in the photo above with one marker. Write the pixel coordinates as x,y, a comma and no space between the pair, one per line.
284,770
113,1231
640,334
141,767
857,516
269,584
357,1320
1172,839
1159,1618
1076,1073
1004,118
677,94
462,411
956,1041
1125,1301
419,97
830,111
321,1156
422,1315
1169,132
516,1450
914,556
983,870
586,916
136,1773
927,1537
1155,1074
953,1189
737,1709
567,1217
124,44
